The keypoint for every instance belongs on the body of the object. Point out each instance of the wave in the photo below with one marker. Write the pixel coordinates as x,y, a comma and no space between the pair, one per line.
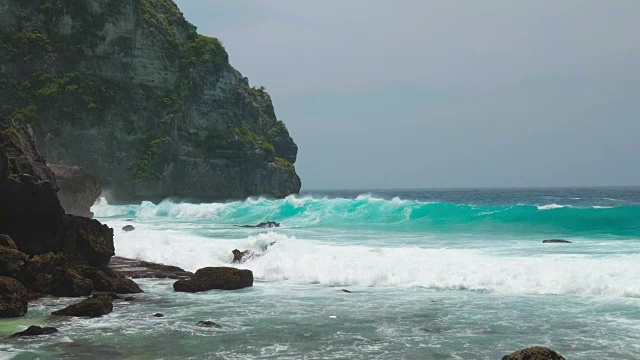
368,212
300,261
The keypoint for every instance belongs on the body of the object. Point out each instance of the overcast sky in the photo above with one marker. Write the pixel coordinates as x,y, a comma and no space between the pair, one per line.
419,94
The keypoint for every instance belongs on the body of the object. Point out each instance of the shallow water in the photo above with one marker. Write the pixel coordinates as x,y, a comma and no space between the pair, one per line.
434,275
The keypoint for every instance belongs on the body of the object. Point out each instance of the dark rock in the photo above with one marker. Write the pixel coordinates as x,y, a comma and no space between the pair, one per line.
268,224
34,330
106,279
158,315
89,238
30,212
241,256
13,298
128,228
55,274
109,294
209,324
138,269
78,190
11,261
129,298
347,291
91,307
5,240
534,353
210,278
556,241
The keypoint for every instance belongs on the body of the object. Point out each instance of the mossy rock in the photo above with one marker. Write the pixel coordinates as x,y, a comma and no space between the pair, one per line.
91,307
11,261
211,278
13,298
6,241
105,279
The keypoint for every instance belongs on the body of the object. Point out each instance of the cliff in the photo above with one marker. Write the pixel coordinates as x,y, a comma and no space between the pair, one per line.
129,91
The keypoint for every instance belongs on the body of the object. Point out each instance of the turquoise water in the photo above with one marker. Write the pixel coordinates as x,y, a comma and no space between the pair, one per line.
449,274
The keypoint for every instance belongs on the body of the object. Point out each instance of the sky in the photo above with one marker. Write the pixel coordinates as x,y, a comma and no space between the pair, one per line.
426,94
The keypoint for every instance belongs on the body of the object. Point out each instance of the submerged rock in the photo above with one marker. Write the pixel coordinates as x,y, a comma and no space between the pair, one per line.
210,278
534,353
128,228
158,315
34,330
78,190
209,324
92,307
268,224
347,291
13,298
556,241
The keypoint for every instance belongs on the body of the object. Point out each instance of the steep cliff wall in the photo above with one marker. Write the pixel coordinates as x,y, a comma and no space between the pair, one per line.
130,92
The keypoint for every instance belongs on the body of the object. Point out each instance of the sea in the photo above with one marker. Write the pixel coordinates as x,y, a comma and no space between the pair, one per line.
430,274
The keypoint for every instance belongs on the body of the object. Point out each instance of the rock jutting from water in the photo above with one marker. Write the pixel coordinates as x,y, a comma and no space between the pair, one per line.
91,307
35,330
534,353
215,278
556,241
131,93
43,249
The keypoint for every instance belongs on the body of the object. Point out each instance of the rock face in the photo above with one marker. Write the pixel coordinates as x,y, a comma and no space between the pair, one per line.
41,248
210,278
534,353
13,298
78,190
91,307
130,92
34,330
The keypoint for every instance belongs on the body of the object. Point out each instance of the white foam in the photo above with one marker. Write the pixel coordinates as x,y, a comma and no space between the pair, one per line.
304,261
550,207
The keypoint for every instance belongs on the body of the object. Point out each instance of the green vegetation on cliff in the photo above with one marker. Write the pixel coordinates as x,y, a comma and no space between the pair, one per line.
131,92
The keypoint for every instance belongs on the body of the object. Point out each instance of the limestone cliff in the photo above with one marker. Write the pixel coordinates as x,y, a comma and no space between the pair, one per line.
130,92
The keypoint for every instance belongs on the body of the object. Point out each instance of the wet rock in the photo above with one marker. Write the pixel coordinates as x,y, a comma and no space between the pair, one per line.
209,324
158,315
91,307
268,224
241,256
54,273
6,241
347,291
78,190
138,269
128,228
111,295
13,298
89,238
129,298
534,353
106,279
34,330
210,278
556,241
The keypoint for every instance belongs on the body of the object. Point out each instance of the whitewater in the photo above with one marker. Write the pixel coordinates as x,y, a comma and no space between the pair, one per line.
433,274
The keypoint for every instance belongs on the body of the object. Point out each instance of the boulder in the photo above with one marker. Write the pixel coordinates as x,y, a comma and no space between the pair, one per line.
34,330
91,307
13,298
534,353
158,315
6,241
89,238
556,241
209,324
106,279
11,261
55,274
128,228
210,278
78,190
